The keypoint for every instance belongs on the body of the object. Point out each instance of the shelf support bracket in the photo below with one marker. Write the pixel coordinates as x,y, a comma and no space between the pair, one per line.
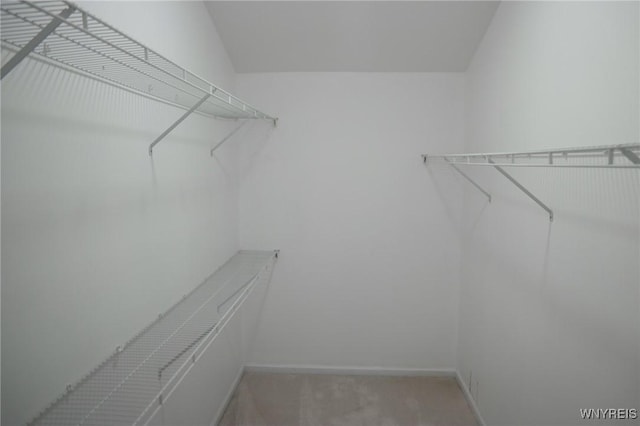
425,159
523,189
464,175
226,138
35,41
180,120
631,156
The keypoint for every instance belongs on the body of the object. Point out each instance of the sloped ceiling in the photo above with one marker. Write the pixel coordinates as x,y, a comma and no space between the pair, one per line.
363,36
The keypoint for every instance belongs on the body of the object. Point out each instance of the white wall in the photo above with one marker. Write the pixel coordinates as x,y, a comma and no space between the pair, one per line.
369,269
549,317
371,251
97,237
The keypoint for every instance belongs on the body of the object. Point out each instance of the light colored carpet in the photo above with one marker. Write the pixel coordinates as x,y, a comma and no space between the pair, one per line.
266,399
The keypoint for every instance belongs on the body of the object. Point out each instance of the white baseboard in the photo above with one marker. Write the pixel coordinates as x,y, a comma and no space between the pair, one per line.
349,370
470,400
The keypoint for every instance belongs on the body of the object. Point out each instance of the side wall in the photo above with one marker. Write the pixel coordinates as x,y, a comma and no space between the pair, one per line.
549,312
92,227
368,273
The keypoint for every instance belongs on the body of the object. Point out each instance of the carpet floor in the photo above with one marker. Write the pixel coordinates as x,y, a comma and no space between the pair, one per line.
267,399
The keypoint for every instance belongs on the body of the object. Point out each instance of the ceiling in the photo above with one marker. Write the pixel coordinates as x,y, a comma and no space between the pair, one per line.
363,36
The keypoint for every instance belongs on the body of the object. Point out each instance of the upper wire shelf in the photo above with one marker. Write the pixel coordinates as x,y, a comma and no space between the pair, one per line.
61,32
131,385
604,156
624,156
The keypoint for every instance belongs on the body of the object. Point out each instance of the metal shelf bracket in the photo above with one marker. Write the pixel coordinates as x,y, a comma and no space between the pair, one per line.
464,175
425,159
177,122
631,156
523,189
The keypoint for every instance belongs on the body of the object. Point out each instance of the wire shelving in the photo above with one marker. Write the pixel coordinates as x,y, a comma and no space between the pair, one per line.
623,156
62,33
133,383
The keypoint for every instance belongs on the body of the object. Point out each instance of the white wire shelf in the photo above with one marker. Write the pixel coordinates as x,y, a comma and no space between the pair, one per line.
624,156
132,384
604,156
62,33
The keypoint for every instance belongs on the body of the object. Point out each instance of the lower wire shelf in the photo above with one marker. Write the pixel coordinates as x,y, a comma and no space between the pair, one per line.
132,384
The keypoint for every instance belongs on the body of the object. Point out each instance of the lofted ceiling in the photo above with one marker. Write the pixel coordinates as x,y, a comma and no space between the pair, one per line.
362,36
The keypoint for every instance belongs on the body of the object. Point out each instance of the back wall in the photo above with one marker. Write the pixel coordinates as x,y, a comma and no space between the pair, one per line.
369,269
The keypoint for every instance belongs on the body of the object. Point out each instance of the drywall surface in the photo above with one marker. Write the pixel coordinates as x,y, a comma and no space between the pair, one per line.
98,238
368,272
549,312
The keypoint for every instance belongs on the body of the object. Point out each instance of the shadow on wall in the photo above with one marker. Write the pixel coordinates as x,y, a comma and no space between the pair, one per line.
253,140
441,176
554,303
